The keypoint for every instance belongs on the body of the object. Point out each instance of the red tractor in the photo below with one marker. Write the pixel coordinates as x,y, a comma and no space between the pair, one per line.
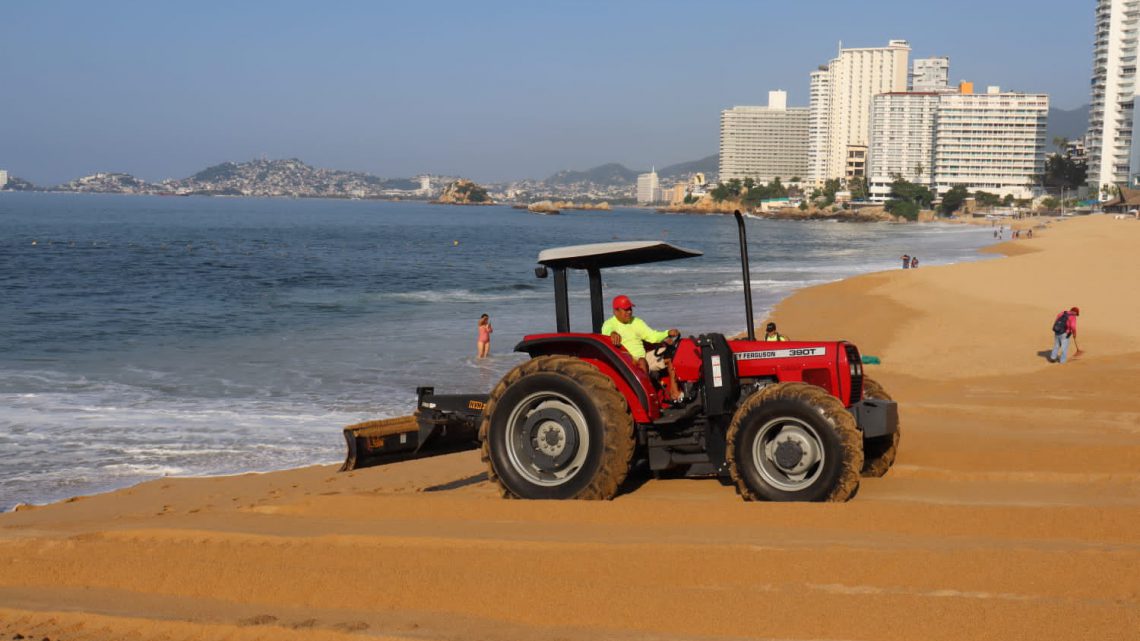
785,421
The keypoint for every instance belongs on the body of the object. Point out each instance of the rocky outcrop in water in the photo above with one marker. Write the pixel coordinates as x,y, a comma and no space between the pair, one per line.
464,192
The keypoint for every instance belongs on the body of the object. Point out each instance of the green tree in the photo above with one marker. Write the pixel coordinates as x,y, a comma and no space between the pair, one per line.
1063,172
986,199
908,209
830,186
1062,145
907,198
749,183
735,187
953,200
774,189
1050,203
858,188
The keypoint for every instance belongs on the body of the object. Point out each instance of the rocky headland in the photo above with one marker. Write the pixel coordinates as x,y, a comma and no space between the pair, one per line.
464,192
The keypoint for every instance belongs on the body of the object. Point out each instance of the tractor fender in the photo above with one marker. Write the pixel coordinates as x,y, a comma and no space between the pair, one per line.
633,383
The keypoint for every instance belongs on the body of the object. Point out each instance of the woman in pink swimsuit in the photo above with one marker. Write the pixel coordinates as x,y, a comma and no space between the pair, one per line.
485,329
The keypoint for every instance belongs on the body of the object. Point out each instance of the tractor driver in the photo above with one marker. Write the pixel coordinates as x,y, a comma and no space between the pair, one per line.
630,332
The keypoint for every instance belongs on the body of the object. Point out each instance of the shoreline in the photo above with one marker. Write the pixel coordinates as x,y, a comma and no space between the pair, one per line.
1013,510
24,503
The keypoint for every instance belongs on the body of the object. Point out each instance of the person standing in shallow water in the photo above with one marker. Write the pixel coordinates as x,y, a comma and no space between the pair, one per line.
483,347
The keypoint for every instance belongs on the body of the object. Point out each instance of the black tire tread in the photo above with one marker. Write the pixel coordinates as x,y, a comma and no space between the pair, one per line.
832,410
879,453
619,434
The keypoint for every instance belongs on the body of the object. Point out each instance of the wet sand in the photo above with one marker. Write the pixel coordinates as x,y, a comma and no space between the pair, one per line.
1013,511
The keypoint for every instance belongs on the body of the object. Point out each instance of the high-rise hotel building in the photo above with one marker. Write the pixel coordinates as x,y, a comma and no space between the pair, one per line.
1113,158
819,109
854,77
992,142
930,74
902,141
763,143
648,188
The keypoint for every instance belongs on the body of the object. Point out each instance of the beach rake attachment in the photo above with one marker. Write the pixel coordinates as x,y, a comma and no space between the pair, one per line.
442,424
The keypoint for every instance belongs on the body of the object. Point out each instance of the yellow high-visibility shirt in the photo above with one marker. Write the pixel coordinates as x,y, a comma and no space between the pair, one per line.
633,334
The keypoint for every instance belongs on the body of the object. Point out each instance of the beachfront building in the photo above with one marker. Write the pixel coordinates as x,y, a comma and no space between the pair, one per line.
764,143
3,178
1113,158
930,74
819,106
993,142
648,188
854,77
902,141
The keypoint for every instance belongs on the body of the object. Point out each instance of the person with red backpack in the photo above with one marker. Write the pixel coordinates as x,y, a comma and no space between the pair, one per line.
1064,328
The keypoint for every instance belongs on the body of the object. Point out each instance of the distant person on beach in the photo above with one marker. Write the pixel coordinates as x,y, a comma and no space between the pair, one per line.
1064,328
485,329
770,333
906,261
626,330
1029,234
914,262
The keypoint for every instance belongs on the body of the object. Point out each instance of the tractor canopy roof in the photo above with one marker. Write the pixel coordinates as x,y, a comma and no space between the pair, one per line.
602,255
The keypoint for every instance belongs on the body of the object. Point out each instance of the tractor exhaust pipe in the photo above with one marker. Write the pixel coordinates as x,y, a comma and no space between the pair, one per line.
744,269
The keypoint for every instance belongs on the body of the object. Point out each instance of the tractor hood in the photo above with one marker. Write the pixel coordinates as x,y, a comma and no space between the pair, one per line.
603,255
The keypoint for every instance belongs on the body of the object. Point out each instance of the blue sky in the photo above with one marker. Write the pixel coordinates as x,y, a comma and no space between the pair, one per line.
487,90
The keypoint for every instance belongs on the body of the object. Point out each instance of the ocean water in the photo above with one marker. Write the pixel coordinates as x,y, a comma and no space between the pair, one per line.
149,336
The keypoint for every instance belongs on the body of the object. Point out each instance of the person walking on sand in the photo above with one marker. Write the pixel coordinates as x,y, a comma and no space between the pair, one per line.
906,261
914,262
483,347
1064,328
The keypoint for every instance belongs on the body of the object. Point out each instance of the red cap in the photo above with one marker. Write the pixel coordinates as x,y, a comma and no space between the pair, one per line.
1076,310
622,302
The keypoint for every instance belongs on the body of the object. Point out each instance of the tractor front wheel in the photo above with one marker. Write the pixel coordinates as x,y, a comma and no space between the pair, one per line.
555,427
879,452
794,442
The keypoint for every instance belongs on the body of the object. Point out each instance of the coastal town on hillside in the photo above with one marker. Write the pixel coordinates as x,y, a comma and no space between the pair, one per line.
880,128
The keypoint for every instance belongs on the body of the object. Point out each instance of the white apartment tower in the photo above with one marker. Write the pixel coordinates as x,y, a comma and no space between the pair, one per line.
3,178
902,141
819,107
992,142
930,74
853,79
1112,159
763,143
648,188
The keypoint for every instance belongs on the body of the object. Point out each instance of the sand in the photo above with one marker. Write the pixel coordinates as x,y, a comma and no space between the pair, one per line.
1013,511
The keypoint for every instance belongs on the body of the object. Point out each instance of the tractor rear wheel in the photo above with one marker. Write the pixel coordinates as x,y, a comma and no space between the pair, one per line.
794,442
555,427
879,452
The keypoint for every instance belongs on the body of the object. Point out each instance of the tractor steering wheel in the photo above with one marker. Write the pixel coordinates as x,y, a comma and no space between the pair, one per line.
667,349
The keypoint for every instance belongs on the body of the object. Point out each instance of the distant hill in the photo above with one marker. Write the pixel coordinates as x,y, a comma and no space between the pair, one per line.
710,165
607,174
616,174
1070,124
